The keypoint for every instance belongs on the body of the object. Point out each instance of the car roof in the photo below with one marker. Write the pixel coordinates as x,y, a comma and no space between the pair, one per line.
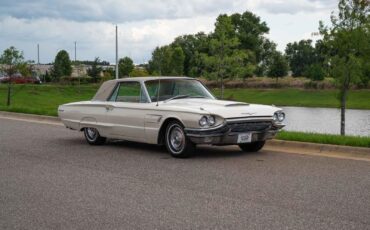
150,78
107,87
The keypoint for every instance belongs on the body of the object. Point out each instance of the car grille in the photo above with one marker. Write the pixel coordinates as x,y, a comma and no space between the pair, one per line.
249,126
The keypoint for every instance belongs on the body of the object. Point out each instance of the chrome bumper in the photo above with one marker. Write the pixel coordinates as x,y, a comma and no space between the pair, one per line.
227,133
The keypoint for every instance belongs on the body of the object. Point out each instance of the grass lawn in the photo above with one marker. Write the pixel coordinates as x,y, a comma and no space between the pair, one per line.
324,138
43,99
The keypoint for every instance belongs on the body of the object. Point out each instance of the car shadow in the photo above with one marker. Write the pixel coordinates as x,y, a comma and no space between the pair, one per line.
202,151
136,146
205,151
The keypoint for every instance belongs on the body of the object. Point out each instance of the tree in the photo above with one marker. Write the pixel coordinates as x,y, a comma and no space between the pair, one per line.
167,60
139,72
250,31
11,59
177,61
125,66
348,47
315,72
192,46
62,65
268,49
109,72
300,56
95,70
278,67
25,69
224,55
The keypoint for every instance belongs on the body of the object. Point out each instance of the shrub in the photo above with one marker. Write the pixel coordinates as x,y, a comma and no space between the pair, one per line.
315,72
75,80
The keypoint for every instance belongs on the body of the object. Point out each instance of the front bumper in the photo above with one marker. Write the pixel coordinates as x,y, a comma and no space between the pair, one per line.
228,132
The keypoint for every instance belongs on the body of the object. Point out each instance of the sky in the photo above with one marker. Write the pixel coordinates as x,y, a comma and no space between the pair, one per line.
142,24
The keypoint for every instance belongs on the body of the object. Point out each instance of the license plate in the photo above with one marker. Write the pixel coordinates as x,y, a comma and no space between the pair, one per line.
245,138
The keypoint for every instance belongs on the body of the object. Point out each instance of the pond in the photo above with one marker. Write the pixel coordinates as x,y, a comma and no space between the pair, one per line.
327,120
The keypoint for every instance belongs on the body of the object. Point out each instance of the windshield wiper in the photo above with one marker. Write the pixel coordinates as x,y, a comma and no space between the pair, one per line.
176,97
197,96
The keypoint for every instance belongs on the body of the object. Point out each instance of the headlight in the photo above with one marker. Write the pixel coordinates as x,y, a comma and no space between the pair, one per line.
207,121
203,121
275,117
211,120
279,116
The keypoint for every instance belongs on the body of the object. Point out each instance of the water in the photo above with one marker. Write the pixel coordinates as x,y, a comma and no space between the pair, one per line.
326,120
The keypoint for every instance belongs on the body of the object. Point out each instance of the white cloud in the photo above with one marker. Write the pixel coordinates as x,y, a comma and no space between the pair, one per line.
294,6
95,39
143,25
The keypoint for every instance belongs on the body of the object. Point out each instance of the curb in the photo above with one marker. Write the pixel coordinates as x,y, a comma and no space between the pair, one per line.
29,116
306,148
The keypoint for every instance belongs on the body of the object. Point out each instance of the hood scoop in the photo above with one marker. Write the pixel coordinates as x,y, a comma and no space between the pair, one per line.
237,104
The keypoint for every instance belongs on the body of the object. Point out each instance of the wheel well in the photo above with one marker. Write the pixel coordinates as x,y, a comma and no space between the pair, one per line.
162,130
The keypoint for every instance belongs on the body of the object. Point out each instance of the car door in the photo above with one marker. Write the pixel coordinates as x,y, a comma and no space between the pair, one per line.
125,111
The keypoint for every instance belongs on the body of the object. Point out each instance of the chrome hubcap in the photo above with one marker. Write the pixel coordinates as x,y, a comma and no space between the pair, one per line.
91,133
177,139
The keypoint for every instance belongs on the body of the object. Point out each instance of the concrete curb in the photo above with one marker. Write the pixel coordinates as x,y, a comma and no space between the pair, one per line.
29,116
307,148
317,149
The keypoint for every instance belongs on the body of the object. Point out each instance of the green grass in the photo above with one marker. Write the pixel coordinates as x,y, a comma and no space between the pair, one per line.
43,99
325,138
358,99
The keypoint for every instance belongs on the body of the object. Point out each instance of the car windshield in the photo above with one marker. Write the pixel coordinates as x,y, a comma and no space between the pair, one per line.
171,89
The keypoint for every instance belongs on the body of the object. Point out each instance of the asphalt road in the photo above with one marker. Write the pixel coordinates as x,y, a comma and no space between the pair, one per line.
51,179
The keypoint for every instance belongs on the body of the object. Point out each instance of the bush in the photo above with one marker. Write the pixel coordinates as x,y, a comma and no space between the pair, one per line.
315,72
67,80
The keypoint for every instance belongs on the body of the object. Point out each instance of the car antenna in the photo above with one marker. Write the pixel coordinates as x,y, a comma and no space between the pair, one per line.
159,88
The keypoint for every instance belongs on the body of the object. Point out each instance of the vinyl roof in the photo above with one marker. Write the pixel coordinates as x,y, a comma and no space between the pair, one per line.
149,78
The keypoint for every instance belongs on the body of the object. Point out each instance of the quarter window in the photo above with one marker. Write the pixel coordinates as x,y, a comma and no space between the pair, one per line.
129,92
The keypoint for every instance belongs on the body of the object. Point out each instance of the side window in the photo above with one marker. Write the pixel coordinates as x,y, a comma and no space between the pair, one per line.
129,92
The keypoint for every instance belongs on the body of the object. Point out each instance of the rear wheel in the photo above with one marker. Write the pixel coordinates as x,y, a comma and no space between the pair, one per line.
252,147
93,137
176,141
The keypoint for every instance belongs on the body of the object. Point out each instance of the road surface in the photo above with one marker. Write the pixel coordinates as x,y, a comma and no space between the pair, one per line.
51,179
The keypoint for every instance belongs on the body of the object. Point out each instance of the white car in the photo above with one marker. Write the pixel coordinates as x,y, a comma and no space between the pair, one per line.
178,112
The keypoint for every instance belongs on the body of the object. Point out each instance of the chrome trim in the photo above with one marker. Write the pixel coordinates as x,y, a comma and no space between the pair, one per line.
206,129
247,119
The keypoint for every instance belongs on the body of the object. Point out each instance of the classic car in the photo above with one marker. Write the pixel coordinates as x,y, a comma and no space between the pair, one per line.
178,112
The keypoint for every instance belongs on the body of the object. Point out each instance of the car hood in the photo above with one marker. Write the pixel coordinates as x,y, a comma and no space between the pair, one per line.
223,108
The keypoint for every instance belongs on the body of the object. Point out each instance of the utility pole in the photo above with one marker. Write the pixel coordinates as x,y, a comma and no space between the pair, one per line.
116,52
77,69
38,54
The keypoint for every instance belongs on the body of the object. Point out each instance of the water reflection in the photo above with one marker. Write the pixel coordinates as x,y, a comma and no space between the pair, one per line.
326,120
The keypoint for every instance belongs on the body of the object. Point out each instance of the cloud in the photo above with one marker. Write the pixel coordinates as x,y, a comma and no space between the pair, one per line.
143,24
113,11
95,39
294,6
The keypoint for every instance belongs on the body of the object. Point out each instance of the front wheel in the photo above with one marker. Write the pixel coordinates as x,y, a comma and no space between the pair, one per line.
93,137
252,147
176,141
